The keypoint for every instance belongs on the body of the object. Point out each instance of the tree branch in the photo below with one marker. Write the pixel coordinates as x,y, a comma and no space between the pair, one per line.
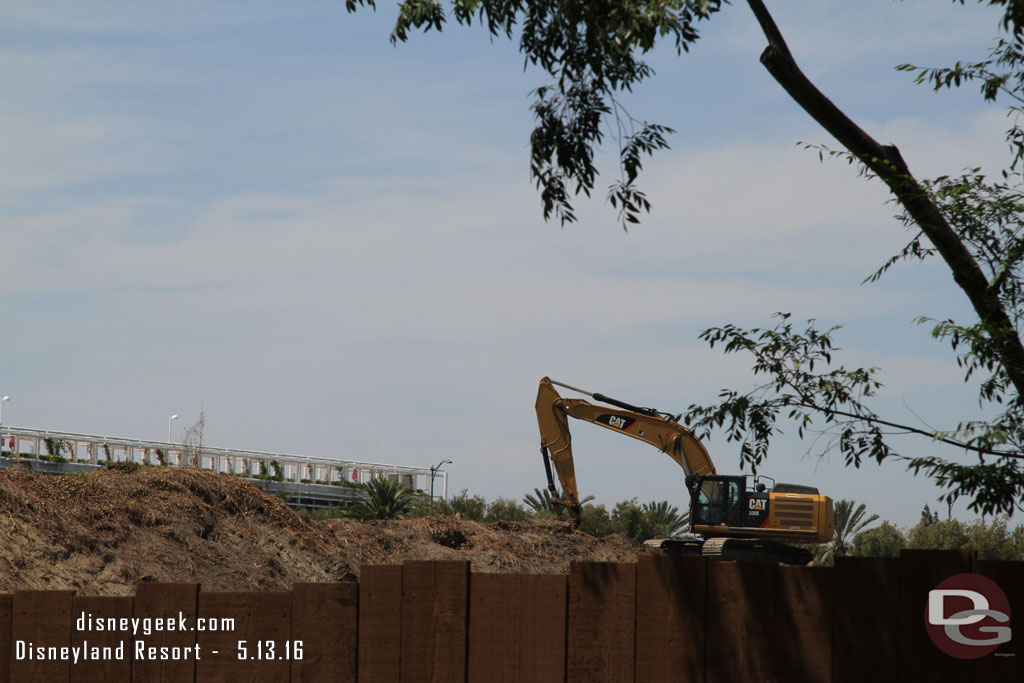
886,162
915,430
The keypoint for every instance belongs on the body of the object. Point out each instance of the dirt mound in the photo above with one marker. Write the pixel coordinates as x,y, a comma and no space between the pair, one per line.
102,533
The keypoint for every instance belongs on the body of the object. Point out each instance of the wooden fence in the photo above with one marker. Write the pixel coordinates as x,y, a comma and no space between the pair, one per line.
661,619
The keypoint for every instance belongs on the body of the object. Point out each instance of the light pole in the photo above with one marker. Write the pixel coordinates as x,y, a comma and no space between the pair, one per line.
433,471
172,417
3,400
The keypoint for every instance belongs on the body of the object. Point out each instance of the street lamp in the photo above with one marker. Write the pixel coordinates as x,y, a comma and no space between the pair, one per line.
433,471
3,400
172,417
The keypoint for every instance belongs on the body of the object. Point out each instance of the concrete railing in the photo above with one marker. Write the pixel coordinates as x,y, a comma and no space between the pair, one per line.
90,449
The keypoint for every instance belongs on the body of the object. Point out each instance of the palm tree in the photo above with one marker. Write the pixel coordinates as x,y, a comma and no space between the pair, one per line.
540,501
385,499
848,521
663,516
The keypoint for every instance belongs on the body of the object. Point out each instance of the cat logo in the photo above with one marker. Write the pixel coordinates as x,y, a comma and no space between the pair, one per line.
616,422
758,504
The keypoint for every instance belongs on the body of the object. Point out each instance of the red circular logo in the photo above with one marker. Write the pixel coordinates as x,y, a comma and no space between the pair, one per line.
967,616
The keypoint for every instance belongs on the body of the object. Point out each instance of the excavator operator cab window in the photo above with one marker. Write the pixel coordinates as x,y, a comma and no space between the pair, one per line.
717,501
711,493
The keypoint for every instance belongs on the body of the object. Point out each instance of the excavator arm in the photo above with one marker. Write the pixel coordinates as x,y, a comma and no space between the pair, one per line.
645,424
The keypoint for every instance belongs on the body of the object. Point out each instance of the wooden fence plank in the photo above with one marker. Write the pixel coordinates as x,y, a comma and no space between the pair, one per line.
380,624
1007,662
602,622
6,645
495,637
40,619
865,620
262,621
434,621
517,628
671,601
741,635
803,624
165,601
107,653
920,660
325,618
543,618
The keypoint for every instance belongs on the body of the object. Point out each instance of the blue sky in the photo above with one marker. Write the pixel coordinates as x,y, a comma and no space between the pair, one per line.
332,245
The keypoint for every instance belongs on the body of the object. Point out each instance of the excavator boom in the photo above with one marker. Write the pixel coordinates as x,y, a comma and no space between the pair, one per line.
644,424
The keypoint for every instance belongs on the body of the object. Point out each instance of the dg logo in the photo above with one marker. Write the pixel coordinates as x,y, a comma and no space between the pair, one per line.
968,616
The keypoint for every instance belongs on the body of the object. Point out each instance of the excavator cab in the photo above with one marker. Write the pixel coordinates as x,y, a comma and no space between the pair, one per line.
728,501
724,505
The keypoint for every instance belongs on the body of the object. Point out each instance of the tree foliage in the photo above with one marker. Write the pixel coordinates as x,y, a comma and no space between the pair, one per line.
54,448
591,52
540,501
637,521
885,540
801,383
665,519
993,540
385,499
474,507
974,224
657,519
849,519
465,506
505,510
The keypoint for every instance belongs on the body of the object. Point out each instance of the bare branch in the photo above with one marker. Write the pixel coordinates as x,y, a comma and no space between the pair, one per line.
888,165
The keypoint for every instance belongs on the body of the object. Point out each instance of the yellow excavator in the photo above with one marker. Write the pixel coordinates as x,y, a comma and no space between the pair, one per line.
732,517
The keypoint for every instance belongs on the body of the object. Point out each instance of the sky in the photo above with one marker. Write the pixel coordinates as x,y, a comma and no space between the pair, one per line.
332,245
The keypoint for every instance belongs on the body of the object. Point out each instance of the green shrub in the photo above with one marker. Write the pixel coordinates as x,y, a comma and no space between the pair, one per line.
595,520
505,510
465,505
885,540
124,466
320,514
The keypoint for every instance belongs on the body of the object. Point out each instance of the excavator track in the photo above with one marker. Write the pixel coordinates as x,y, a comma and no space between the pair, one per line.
753,550
714,548
674,546
734,549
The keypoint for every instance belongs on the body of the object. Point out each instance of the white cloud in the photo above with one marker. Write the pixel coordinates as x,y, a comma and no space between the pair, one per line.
43,153
116,16
831,35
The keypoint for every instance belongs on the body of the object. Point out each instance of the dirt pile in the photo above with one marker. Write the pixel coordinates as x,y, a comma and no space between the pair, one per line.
102,533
